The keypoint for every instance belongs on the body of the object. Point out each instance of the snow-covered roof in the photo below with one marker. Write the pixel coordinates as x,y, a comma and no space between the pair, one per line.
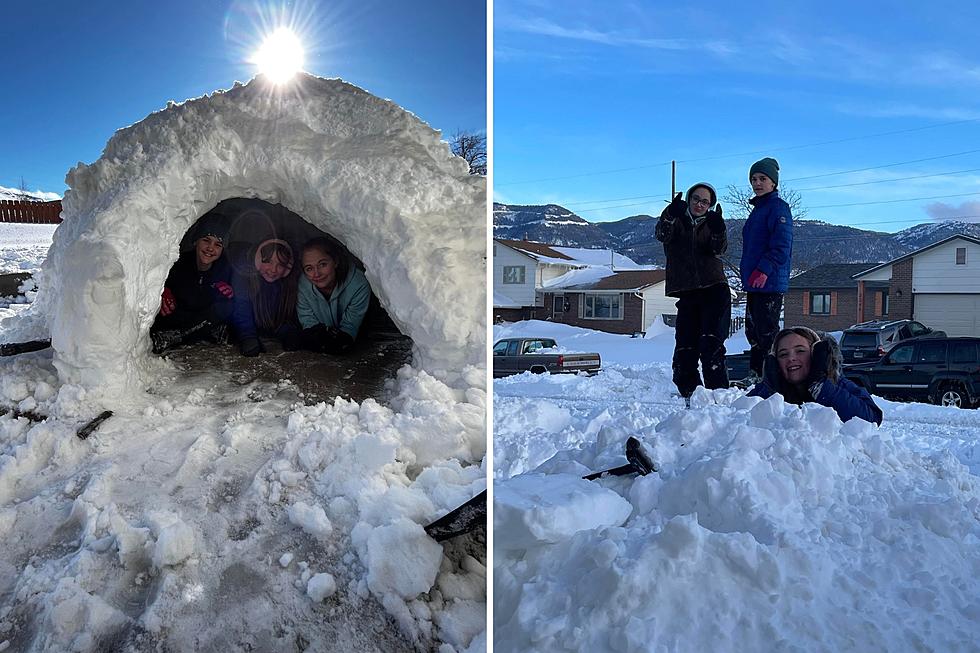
503,301
626,280
597,256
356,166
538,251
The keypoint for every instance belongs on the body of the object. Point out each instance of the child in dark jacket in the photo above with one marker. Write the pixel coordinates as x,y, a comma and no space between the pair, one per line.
265,297
804,367
197,295
694,236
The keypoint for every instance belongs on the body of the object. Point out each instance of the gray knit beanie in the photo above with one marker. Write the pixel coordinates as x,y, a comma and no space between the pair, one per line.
703,184
767,166
212,224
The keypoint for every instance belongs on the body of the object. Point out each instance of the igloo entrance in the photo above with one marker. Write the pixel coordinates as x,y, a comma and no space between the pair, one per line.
352,165
379,350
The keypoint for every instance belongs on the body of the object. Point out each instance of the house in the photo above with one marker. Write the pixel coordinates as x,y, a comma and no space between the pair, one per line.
624,301
520,268
825,298
938,285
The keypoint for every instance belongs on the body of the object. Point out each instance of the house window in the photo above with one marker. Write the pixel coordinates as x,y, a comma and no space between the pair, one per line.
603,307
514,274
820,303
961,256
884,302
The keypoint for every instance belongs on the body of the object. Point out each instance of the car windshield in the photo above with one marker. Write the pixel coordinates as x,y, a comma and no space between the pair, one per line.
859,339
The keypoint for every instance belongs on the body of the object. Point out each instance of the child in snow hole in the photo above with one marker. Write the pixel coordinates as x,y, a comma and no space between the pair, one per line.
805,367
333,298
197,296
265,297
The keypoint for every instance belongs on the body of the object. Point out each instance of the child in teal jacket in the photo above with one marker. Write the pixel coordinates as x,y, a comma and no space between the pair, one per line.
333,298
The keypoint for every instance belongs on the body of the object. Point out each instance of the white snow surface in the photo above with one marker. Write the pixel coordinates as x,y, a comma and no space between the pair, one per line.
356,166
210,513
15,194
598,257
23,247
767,527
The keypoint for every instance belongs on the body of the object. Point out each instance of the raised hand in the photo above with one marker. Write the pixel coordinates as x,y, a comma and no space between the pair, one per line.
167,302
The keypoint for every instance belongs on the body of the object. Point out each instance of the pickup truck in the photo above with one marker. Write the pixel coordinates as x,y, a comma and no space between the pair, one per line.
539,355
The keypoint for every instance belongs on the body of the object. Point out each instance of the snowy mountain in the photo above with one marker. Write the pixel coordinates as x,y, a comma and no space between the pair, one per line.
551,223
814,241
17,195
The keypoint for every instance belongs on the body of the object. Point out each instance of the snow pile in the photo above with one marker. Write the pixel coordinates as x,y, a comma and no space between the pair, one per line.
205,517
358,167
767,526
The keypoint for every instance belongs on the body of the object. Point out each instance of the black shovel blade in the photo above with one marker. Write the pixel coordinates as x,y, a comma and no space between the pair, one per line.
461,520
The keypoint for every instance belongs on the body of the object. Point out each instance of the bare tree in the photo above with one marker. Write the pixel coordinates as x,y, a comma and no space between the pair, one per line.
472,147
737,202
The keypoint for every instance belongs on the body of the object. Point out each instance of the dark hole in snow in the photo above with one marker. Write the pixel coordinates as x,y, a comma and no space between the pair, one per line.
380,350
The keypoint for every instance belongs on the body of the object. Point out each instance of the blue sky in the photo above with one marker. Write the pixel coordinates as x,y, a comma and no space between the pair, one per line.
75,72
592,100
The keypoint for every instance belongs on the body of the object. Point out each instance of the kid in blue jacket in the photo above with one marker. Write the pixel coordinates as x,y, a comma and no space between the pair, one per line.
333,297
804,367
767,248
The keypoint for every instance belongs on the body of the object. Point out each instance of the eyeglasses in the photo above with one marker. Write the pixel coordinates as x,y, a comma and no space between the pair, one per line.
703,201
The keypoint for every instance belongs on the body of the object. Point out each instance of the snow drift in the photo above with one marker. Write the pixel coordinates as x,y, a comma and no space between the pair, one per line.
355,166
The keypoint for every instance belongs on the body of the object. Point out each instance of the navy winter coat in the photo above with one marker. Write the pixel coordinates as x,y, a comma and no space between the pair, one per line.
767,243
846,398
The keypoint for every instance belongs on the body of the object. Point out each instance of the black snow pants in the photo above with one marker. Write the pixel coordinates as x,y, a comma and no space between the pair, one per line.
703,319
762,311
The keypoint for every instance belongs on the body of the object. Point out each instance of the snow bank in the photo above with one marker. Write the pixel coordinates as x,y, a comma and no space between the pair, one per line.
356,166
768,527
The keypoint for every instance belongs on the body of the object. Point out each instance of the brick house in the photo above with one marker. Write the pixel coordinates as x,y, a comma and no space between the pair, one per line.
937,285
826,298
626,301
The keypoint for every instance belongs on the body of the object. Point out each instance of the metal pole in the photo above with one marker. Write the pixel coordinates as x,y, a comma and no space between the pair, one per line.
673,179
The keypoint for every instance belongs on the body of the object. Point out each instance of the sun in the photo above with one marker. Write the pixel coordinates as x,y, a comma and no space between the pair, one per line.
280,56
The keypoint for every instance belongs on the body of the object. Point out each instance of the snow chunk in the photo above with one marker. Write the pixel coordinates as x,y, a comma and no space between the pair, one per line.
174,545
320,587
311,519
402,559
535,509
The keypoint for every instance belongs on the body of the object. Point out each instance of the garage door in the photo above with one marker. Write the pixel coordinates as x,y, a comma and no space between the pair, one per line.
957,315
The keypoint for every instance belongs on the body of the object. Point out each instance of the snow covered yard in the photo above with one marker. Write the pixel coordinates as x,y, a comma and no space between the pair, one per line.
767,527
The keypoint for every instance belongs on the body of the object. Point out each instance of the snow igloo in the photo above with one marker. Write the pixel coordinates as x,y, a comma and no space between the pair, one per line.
360,168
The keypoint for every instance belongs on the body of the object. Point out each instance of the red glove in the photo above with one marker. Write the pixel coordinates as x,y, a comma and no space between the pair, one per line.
758,279
167,302
223,288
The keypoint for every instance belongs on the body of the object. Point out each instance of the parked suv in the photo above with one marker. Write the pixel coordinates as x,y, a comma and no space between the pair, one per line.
869,341
942,370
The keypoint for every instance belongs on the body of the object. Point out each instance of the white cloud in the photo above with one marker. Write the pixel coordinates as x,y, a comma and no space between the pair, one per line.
965,212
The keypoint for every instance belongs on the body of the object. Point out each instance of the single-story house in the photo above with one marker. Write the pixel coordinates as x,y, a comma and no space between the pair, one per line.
937,285
625,301
825,298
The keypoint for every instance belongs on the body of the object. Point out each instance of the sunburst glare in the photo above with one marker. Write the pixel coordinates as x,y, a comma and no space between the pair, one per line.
281,56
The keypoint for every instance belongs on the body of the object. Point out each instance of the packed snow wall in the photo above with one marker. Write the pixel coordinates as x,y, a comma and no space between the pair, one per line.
352,164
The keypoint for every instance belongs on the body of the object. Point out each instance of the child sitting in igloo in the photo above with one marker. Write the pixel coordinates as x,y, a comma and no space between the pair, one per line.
265,297
197,297
333,297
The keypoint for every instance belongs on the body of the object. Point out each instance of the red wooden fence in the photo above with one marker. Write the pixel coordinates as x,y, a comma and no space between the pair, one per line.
30,212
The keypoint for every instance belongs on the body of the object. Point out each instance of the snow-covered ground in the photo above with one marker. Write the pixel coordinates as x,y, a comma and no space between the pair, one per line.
215,513
767,527
24,246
